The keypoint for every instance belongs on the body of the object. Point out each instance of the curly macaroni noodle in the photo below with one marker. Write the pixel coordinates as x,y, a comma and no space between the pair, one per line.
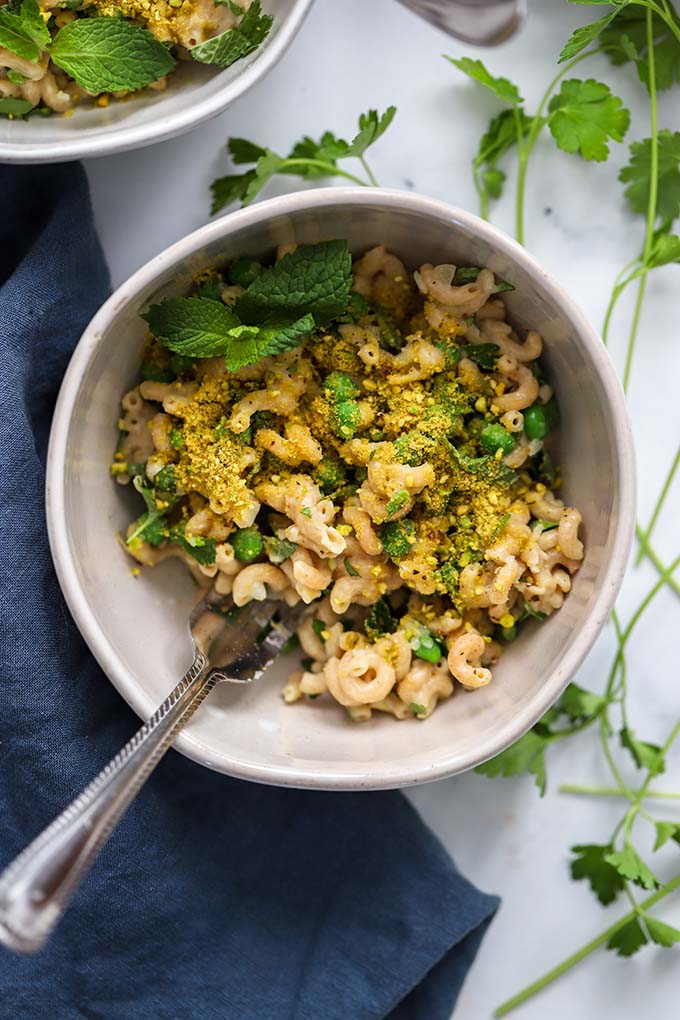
385,473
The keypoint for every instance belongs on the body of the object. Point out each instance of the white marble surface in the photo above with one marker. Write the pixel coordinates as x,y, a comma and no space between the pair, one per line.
353,55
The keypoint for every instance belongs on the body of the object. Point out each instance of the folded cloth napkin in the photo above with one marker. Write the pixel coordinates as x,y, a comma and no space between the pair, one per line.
215,899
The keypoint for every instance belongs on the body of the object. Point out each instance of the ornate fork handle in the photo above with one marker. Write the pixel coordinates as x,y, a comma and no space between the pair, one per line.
37,887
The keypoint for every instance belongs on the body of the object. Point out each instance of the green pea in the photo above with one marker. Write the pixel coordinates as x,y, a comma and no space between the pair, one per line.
330,475
425,646
176,439
345,418
398,537
247,544
535,422
494,437
551,412
244,271
340,386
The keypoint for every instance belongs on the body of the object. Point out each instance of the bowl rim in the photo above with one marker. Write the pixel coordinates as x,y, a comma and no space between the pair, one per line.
336,778
166,125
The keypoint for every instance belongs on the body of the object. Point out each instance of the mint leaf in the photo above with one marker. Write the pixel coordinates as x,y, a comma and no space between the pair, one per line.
629,864
591,864
501,87
197,327
23,31
638,173
584,115
314,279
232,188
662,934
110,54
645,756
225,49
526,755
15,107
248,344
151,526
628,939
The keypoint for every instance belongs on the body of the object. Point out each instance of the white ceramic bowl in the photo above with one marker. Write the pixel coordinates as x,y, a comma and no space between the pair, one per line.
137,627
195,93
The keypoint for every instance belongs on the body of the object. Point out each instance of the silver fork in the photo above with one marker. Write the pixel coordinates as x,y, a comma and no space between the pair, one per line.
230,644
480,22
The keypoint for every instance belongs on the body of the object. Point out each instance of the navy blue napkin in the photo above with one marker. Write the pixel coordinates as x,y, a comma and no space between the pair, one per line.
215,899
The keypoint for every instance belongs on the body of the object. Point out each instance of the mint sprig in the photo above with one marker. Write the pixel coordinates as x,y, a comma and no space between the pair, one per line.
110,55
225,49
281,307
23,30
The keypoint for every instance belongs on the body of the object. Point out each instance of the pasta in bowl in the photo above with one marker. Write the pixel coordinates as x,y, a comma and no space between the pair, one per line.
388,467
328,462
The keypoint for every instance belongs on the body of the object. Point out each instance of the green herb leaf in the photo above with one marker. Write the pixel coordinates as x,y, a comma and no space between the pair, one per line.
379,621
372,126
314,279
110,54
662,934
628,939
500,136
629,864
638,173
225,49
526,755
151,526
665,250
625,39
243,151
476,70
349,568
278,549
249,344
584,36
591,864
197,327
664,832
418,709
645,756
319,628
485,355
232,188
580,704
23,30
584,115
202,549
15,107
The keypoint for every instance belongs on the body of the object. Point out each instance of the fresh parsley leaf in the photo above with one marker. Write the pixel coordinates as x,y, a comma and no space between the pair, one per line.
225,49
583,36
638,173
584,115
665,249
278,549
267,165
580,704
500,136
202,549
526,755
645,756
625,39
664,832
592,864
372,126
232,188
628,939
151,526
629,864
501,87
379,621
15,107
110,54
485,355
197,327
314,279
243,151
662,934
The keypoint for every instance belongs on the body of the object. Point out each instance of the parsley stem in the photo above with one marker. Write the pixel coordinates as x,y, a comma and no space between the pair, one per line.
369,173
321,164
525,148
613,791
590,947
647,533
653,557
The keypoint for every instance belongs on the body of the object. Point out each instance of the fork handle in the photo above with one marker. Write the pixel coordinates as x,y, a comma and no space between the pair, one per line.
37,886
